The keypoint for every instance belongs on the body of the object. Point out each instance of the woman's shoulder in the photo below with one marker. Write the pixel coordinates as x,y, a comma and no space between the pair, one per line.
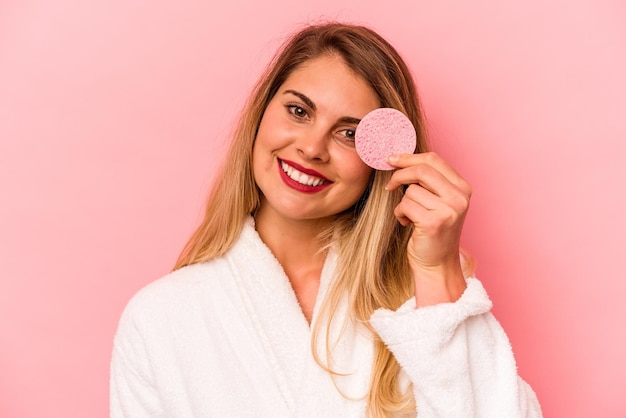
188,306
180,292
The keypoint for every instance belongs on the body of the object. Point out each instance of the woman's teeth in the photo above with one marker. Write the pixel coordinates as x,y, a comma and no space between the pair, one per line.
300,177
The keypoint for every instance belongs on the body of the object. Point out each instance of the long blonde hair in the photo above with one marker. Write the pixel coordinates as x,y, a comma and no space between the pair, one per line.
373,269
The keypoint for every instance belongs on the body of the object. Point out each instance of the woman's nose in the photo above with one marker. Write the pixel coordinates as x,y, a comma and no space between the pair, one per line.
313,145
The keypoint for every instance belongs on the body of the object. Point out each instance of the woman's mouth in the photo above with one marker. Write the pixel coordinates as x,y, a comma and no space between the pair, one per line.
298,179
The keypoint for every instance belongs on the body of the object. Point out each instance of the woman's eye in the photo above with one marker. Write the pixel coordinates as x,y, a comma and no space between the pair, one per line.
347,136
297,111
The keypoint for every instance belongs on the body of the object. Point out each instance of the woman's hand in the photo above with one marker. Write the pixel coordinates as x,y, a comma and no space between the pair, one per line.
435,201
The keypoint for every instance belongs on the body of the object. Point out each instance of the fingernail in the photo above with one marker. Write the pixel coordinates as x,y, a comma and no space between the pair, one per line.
393,158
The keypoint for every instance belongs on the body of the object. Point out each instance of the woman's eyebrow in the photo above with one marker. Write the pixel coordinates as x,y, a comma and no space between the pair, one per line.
309,103
302,97
349,120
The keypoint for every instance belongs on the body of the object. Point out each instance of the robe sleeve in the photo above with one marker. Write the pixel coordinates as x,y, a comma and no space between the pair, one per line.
132,393
458,358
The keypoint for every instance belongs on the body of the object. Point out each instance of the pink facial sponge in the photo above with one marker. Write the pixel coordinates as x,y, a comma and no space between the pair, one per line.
382,132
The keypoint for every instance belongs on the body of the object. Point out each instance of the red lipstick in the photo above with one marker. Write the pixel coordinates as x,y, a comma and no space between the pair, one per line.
304,188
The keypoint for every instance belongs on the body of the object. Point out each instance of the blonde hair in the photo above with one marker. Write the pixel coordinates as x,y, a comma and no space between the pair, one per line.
372,269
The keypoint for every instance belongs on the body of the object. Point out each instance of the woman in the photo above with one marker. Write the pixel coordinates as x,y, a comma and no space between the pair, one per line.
316,286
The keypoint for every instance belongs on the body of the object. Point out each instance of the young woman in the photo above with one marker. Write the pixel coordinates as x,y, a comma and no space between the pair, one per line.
316,286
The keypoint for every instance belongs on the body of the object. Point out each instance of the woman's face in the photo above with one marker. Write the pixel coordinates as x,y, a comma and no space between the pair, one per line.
304,160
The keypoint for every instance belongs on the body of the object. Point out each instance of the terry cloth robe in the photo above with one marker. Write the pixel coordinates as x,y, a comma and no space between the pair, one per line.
227,338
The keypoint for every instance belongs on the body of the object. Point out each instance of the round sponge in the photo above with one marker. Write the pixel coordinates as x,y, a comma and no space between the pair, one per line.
382,132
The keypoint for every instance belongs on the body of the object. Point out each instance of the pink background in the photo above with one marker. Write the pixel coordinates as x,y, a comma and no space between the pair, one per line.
113,116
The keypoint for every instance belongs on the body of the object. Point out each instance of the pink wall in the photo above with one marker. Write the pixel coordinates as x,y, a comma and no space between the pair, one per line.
112,114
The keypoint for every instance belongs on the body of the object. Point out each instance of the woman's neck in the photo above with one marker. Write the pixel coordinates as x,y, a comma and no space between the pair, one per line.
297,246
290,239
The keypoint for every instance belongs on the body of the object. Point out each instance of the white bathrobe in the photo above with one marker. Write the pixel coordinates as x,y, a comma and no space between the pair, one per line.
227,338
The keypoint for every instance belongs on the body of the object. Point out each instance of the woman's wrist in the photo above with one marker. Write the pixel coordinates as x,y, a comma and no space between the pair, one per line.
438,284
